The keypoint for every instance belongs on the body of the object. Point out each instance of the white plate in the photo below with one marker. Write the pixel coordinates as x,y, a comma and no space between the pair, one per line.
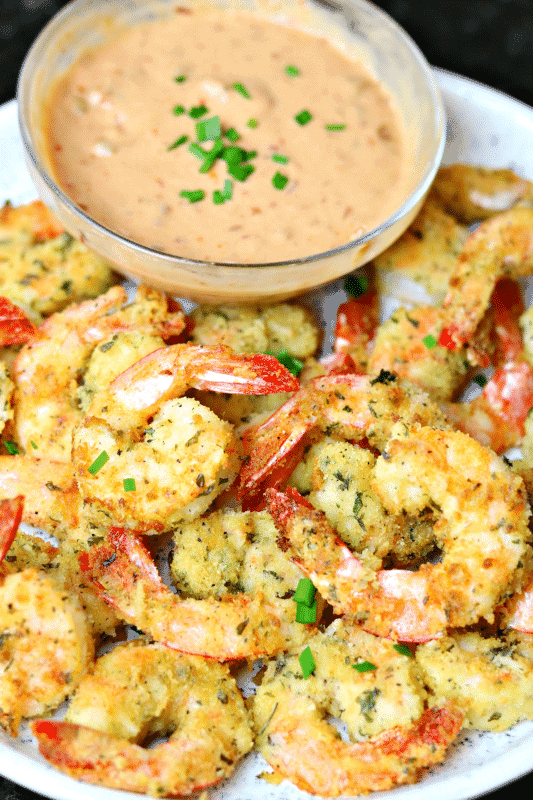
484,127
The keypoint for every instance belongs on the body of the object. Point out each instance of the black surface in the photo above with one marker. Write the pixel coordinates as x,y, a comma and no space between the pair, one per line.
488,40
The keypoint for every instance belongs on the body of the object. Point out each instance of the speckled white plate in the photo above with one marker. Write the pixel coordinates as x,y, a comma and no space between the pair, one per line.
484,127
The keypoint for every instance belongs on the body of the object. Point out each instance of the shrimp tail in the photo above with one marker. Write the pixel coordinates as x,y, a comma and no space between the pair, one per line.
10,519
15,327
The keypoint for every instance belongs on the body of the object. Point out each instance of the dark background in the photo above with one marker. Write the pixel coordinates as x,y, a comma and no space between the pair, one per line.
488,40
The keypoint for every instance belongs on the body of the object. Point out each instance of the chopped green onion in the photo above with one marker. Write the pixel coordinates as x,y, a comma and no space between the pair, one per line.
208,129
404,650
98,463
294,365
179,110
280,159
292,71
233,155
197,151
129,485
279,181
212,156
240,88
252,123
306,614
180,78
307,662
250,154
197,111
303,117
356,285
240,171
33,445
177,143
429,341
480,380
335,127
305,592
364,666
193,197
227,191
218,197
11,448
232,135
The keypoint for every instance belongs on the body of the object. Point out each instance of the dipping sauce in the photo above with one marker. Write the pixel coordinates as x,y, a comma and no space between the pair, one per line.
308,147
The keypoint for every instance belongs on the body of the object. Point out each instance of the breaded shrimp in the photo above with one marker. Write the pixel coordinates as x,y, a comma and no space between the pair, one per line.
139,690
236,626
46,647
483,532
180,455
47,370
383,705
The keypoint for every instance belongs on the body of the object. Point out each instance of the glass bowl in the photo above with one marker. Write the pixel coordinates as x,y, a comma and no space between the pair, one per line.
381,43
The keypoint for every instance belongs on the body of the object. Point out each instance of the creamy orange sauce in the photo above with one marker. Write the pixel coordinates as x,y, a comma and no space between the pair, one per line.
111,122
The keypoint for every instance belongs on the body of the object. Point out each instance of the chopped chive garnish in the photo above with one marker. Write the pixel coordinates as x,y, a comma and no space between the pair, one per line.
307,662
208,129
429,341
279,181
180,78
227,191
280,159
129,485
240,88
252,123
193,197
212,156
197,151
197,111
98,463
232,135
303,117
250,154
218,197
294,365
292,71
233,155
404,650
364,666
33,445
480,380
335,127
356,285
305,592
179,110
177,143
306,614
240,171
11,448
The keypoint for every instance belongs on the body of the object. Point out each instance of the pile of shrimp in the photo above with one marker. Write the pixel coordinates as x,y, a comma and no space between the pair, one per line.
186,475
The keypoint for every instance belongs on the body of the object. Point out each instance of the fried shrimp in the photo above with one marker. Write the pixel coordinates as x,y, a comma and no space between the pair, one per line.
48,487
45,647
482,530
42,267
353,407
490,679
47,370
180,454
501,247
382,706
139,690
237,626
473,194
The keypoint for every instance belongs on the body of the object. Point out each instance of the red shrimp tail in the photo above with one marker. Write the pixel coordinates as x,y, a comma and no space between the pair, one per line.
15,327
234,373
508,306
10,519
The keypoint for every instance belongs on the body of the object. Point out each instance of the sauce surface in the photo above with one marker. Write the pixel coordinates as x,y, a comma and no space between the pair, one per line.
113,120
